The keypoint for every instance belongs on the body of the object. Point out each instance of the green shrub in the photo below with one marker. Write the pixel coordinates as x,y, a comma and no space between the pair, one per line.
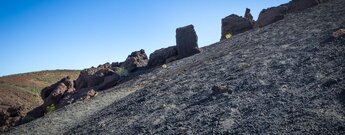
227,36
122,72
164,66
36,91
50,109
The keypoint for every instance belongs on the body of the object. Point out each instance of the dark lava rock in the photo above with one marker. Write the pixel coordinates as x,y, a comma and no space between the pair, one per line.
9,116
186,41
218,89
271,15
235,24
299,5
163,55
249,16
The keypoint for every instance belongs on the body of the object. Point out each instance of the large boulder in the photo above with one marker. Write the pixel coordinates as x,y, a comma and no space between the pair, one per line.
136,60
186,42
163,55
54,93
234,24
271,15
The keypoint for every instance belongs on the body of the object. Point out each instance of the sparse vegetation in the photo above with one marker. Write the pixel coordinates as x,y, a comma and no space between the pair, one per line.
36,91
227,36
164,66
122,72
51,108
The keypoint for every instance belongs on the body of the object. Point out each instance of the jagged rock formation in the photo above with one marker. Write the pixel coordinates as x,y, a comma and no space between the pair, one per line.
281,79
271,15
135,61
234,24
249,16
186,42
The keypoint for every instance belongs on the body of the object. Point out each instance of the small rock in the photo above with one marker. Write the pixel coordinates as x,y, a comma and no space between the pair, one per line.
217,89
339,33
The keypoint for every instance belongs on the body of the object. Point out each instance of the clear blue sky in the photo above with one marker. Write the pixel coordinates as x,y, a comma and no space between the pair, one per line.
76,34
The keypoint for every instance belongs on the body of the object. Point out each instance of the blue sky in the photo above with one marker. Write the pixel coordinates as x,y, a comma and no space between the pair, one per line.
76,34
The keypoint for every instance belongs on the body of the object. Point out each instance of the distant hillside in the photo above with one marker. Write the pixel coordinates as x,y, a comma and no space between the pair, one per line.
23,89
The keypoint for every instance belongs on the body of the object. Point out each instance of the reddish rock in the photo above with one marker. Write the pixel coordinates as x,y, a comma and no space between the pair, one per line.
92,77
53,94
234,24
136,60
186,42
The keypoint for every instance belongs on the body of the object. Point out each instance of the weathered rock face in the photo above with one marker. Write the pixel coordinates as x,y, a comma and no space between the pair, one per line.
249,16
234,24
162,56
137,59
92,77
299,5
54,93
271,15
9,117
186,41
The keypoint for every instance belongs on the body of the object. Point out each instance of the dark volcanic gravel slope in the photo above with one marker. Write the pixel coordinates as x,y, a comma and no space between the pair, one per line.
284,81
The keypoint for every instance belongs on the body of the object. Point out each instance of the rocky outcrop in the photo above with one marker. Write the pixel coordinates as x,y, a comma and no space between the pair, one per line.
91,80
162,56
93,76
186,42
299,5
9,117
234,24
186,45
271,15
249,16
137,59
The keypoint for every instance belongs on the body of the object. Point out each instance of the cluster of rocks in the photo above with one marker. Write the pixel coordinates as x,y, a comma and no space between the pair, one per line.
235,24
10,116
91,80
186,45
